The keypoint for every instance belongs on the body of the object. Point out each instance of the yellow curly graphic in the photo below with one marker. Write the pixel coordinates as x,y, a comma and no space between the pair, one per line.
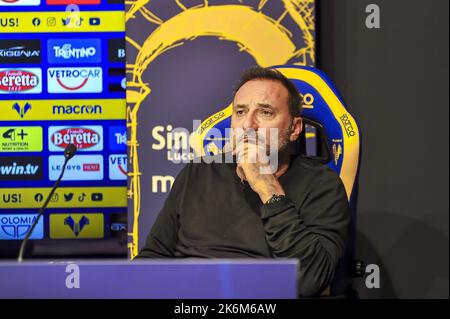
257,34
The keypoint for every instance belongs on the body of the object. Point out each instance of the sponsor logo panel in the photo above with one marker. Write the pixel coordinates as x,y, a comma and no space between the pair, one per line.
52,21
20,2
95,109
118,138
73,226
85,138
64,197
60,2
75,80
118,167
80,168
74,50
20,51
20,138
20,80
21,168
116,50
16,226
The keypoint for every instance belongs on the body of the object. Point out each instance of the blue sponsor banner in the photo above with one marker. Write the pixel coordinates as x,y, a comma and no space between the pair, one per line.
118,138
74,50
16,226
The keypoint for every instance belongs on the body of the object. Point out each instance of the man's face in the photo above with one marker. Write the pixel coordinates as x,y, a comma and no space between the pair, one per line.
260,105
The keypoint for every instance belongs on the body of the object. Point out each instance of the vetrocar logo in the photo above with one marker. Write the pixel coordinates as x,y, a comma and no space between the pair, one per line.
74,50
15,226
118,167
85,138
75,80
20,51
80,168
26,80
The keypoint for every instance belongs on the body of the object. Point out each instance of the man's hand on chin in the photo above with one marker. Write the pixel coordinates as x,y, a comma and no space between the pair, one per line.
254,167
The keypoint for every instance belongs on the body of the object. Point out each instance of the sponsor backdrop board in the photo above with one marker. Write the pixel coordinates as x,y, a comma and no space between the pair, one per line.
183,58
62,81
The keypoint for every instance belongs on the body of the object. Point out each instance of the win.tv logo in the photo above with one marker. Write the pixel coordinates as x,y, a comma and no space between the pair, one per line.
21,109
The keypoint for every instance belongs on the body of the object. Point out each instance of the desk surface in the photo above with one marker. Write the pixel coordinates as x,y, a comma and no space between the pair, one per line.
159,279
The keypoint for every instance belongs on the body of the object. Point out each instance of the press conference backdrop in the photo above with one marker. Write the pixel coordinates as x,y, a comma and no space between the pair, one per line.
183,58
62,80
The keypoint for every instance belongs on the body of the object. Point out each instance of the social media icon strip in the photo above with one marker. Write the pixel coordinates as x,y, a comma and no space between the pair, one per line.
75,80
85,138
118,167
80,168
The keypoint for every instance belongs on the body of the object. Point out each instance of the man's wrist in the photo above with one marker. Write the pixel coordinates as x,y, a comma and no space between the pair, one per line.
269,189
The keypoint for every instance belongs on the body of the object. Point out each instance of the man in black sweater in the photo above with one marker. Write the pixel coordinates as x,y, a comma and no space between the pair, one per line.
250,209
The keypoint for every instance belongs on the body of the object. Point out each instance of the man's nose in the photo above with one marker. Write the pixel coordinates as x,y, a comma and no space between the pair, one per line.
250,121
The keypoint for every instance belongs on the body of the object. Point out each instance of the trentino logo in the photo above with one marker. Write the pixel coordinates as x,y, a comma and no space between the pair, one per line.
74,50
16,226
75,80
118,138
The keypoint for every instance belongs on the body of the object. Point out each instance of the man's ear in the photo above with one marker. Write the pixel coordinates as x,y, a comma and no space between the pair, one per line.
297,127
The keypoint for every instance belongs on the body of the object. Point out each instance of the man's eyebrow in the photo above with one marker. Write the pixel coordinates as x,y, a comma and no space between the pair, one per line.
265,106
242,106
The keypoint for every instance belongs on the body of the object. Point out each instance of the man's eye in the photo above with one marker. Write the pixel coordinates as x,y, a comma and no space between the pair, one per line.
239,112
267,113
